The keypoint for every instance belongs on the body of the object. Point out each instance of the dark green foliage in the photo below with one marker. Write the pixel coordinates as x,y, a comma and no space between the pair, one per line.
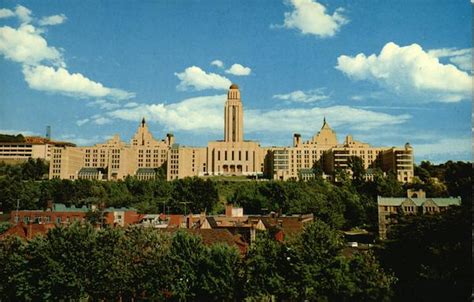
4,226
431,256
455,178
356,165
352,203
312,268
12,138
32,169
80,262
201,194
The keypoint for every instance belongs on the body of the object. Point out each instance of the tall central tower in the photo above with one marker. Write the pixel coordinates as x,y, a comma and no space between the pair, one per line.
233,116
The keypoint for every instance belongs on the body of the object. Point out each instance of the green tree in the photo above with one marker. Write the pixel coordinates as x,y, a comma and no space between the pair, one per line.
431,256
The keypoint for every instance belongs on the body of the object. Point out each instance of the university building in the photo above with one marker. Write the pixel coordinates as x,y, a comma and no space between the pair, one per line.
232,156
31,147
114,159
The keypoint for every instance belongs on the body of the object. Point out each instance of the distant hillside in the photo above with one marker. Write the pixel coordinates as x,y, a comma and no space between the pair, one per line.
12,138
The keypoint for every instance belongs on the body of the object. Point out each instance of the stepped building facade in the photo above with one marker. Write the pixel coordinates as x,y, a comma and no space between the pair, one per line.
232,156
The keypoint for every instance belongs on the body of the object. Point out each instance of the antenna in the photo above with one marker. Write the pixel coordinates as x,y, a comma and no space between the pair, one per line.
48,132
17,207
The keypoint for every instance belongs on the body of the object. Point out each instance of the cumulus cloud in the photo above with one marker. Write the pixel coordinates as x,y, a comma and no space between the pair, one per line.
459,57
52,20
197,113
23,13
61,81
218,63
26,45
409,71
6,13
239,70
205,113
195,78
300,96
311,17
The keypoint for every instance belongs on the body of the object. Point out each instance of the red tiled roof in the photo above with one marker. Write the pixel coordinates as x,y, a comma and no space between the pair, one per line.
213,236
27,231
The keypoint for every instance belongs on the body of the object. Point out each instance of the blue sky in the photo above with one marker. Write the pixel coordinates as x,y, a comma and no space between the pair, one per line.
387,72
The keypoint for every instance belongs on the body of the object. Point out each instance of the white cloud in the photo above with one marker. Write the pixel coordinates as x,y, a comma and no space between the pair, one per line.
83,141
100,120
239,70
196,78
26,45
300,96
130,105
82,122
197,113
409,71
61,81
6,13
307,121
459,57
218,63
310,17
23,13
52,20
103,104
205,113
452,148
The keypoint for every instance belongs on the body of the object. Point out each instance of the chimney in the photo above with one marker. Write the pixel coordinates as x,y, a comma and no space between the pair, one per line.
296,139
189,221
49,205
228,210
169,139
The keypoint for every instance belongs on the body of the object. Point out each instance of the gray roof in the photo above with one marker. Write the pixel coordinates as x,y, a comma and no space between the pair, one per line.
91,170
146,170
59,207
397,201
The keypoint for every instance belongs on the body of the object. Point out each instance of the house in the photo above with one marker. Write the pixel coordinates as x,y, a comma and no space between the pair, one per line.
415,203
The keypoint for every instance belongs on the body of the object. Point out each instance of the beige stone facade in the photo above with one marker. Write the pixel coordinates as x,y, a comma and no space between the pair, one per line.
114,159
232,156
294,162
32,147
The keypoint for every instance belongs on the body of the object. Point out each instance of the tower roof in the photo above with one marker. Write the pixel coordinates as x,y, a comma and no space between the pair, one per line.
325,125
234,86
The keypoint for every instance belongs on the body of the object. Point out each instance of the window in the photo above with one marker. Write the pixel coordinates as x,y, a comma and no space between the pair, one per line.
218,155
232,155
58,219
225,155
246,155
240,155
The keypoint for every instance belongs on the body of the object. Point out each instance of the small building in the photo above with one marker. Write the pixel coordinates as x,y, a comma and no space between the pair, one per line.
416,202
59,214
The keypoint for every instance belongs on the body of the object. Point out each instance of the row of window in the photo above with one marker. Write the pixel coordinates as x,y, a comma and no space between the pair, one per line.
232,157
